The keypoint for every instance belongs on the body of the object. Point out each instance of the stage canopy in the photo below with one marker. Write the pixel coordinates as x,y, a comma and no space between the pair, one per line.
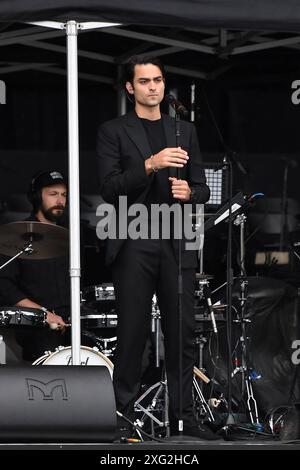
230,14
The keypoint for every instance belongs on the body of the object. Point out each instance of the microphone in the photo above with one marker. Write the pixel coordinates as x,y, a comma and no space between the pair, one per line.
179,108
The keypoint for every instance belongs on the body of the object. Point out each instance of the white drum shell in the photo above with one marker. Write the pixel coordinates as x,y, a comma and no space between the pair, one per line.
63,356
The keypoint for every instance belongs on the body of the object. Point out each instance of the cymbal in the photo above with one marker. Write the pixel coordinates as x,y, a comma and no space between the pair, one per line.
48,240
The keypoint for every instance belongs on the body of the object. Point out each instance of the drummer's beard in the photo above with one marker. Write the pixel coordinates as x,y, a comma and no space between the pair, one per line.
54,213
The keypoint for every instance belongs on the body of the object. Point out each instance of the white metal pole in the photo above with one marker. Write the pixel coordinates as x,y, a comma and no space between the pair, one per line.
122,103
71,28
74,205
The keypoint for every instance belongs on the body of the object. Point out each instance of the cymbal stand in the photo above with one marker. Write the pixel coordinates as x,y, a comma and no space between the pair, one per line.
200,341
201,407
28,249
155,328
160,399
247,375
203,292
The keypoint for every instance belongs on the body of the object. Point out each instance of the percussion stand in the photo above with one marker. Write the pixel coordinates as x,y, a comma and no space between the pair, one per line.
200,341
28,249
161,387
202,292
243,367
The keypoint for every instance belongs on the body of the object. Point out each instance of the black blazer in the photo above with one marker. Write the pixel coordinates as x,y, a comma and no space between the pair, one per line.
122,148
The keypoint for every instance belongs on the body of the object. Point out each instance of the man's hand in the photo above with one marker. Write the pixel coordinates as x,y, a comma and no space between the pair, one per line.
55,321
180,189
168,157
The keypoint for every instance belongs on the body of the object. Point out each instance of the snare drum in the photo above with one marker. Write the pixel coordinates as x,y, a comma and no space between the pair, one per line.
63,356
21,316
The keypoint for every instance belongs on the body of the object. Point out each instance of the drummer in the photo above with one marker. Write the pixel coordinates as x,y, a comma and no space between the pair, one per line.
41,284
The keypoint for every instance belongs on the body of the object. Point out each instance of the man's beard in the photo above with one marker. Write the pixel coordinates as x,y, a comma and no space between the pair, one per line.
50,215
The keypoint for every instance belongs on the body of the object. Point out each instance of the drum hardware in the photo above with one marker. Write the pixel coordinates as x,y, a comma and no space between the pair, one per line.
93,320
204,322
203,292
200,341
103,345
158,403
107,319
99,297
106,346
22,316
156,328
98,307
158,391
98,313
222,285
241,365
27,249
201,407
156,399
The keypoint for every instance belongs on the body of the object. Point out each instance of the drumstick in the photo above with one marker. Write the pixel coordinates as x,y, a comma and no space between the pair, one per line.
200,375
56,326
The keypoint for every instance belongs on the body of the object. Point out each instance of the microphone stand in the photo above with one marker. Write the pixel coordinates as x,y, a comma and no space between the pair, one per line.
180,436
229,275
180,292
283,215
229,159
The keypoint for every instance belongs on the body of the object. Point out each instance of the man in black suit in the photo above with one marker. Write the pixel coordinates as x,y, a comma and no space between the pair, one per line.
138,159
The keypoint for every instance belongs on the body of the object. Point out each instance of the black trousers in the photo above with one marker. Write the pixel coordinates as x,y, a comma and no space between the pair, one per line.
142,268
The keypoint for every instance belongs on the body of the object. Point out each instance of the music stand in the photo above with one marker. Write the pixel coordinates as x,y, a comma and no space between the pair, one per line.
222,214
217,180
232,207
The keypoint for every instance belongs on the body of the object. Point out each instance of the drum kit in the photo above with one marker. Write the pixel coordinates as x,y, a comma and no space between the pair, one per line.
41,241
99,318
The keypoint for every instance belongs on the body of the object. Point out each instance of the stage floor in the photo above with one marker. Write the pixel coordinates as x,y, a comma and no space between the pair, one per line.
157,446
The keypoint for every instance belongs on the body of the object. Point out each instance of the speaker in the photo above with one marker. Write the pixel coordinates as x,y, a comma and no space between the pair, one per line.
56,404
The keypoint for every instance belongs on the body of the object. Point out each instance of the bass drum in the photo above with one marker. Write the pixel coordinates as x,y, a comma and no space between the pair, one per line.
63,357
